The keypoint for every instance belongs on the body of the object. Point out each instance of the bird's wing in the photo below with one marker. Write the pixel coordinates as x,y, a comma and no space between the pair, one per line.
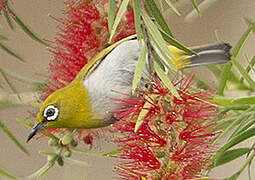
92,64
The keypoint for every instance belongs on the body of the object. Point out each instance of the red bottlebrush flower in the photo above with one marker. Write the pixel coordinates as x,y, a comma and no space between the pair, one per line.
83,34
3,6
174,140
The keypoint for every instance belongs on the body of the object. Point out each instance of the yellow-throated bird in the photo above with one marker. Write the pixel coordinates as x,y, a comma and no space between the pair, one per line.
86,101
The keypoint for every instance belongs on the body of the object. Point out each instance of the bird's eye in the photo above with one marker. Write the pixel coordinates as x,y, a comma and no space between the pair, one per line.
51,113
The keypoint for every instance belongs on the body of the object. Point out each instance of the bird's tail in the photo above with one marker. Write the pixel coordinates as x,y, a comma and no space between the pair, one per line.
213,54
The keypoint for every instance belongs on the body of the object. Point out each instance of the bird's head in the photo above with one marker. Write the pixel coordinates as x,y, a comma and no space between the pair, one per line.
68,107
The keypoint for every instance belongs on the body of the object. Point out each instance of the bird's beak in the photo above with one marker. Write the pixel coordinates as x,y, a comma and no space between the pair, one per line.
38,127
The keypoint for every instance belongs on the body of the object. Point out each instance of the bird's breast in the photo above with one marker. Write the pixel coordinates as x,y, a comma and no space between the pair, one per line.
112,78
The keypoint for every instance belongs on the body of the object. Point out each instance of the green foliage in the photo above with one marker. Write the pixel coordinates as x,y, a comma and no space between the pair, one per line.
13,138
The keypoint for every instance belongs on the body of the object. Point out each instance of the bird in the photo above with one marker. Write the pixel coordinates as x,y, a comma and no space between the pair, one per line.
86,102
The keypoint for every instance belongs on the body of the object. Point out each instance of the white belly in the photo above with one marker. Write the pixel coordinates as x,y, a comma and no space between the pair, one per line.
114,73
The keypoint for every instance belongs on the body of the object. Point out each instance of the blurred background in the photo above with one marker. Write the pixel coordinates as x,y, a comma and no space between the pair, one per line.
224,17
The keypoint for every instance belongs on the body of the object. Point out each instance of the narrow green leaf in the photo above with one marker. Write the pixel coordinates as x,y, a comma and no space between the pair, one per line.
159,41
224,77
236,121
243,72
75,161
6,174
7,50
249,171
165,79
244,100
9,83
141,115
250,23
137,16
238,139
227,67
22,78
155,13
194,3
249,67
8,19
230,155
202,6
111,13
119,15
245,127
223,101
241,42
48,153
3,37
172,7
24,122
176,43
26,29
112,153
139,68
12,137
233,177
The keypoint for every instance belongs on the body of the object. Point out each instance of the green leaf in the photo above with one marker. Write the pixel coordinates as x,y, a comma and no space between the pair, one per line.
155,13
230,155
24,122
139,68
223,101
202,6
142,114
227,68
12,137
8,19
225,75
244,100
165,79
6,174
249,68
159,41
194,3
176,43
119,15
244,73
22,78
172,7
10,52
3,37
111,13
137,16
9,83
112,152
236,121
245,126
238,139
75,161
26,29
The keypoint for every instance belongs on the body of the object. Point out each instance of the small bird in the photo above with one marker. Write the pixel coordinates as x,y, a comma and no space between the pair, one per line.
86,102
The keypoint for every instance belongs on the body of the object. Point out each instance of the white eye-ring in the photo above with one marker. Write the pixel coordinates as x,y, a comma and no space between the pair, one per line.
51,113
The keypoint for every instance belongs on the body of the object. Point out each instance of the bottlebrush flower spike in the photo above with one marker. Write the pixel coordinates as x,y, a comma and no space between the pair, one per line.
175,139
83,34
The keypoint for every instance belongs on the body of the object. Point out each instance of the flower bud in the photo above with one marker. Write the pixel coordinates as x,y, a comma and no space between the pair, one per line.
66,139
60,161
67,153
52,142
